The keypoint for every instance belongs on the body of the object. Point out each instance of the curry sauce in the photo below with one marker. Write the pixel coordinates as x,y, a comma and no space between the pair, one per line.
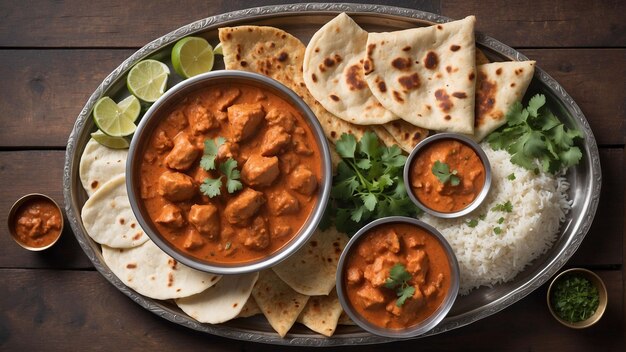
447,197
278,159
38,223
368,268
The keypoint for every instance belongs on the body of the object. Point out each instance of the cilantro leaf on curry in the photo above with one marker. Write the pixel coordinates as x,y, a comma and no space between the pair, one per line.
398,280
213,187
368,184
534,135
210,153
443,173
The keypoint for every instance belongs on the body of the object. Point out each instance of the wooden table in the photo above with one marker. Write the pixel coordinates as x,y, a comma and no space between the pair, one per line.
54,54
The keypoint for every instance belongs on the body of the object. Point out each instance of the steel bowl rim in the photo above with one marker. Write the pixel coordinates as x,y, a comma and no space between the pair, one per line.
423,326
145,129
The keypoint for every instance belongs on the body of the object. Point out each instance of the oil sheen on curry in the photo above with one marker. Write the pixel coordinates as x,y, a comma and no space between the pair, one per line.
463,164
278,165
369,270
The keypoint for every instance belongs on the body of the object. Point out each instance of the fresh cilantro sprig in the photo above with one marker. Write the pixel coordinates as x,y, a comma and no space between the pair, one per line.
575,298
534,134
506,207
368,184
443,173
212,187
398,280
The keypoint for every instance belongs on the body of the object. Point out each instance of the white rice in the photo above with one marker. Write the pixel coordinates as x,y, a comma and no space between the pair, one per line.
539,206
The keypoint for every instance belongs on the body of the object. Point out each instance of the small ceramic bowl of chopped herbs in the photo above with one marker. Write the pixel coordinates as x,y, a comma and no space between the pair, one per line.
577,298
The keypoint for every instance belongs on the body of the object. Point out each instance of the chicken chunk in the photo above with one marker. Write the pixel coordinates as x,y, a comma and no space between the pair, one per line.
354,275
370,296
302,180
206,219
275,141
389,242
260,171
377,272
171,216
183,154
201,119
417,265
257,236
279,231
193,240
176,186
281,118
226,99
244,120
283,203
410,307
227,150
177,120
243,206
288,162
162,142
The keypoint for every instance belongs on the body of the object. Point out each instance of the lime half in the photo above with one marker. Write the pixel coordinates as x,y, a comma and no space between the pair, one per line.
116,120
147,80
111,142
218,49
192,56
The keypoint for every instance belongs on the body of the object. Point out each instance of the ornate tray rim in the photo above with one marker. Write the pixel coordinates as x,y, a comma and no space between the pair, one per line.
296,339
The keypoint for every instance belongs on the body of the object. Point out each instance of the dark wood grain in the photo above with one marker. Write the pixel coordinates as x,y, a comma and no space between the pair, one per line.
121,23
555,23
42,104
80,310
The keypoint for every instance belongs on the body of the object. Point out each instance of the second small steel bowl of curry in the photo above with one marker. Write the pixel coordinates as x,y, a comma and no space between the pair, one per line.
447,175
229,172
397,277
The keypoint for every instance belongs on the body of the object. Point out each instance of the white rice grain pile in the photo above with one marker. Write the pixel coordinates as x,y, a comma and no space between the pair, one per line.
539,205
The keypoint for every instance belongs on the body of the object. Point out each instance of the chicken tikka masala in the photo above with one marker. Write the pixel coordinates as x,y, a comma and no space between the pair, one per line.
268,193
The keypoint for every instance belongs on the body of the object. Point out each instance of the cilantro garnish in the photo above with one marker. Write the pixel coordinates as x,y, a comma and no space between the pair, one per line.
472,223
211,187
398,280
497,230
504,207
210,153
443,173
368,184
534,134
229,169
501,220
574,298
511,177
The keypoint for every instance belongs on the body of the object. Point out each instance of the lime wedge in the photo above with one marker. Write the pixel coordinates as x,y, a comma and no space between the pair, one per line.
192,56
115,120
111,142
218,49
147,80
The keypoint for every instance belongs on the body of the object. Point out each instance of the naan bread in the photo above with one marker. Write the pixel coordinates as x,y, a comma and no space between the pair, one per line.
279,55
498,86
406,135
321,314
222,302
279,303
426,75
311,270
249,309
99,164
152,273
333,73
108,218
383,134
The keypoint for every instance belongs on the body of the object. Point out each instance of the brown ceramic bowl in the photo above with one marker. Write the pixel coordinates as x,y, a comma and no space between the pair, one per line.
12,219
597,282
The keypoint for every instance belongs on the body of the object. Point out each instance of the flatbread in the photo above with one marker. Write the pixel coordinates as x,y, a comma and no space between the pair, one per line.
426,75
499,85
406,135
222,302
152,273
249,309
279,303
344,319
321,314
481,58
311,270
279,55
384,135
99,164
108,218
333,73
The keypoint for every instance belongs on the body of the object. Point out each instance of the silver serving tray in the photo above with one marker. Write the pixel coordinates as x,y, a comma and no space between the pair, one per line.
302,20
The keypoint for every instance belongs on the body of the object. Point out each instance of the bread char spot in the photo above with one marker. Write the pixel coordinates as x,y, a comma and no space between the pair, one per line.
334,97
431,60
406,48
282,56
471,76
459,95
382,86
445,103
314,77
455,47
401,63
485,97
409,82
368,66
353,78
398,97
329,62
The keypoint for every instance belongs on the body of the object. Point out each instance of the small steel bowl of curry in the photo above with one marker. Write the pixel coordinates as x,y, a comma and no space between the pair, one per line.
397,277
229,172
447,175
35,222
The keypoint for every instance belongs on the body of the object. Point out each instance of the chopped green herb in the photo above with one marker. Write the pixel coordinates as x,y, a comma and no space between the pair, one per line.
472,223
211,147
443,173
501,220
398,280
213,187
368,184
574,298
482,216
534,135
497,230
504,207
511,177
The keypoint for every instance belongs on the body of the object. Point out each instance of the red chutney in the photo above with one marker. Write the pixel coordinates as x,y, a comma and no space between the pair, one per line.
446,198
38,223
369,265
